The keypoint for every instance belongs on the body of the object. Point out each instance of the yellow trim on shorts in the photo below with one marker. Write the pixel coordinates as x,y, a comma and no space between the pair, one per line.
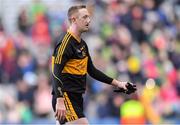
70,107
67,111
69,115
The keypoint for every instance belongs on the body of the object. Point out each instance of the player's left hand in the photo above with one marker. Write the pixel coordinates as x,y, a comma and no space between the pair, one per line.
125,87
130,88
122,85
119,84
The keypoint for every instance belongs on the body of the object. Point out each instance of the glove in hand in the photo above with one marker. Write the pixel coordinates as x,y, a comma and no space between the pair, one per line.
131,88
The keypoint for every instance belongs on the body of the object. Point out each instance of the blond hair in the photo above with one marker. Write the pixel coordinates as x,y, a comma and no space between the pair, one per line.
74,9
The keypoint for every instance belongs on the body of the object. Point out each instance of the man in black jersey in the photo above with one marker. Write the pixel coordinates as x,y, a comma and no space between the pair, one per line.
71,62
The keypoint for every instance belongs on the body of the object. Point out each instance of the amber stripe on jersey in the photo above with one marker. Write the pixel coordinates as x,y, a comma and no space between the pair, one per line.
70,106
64,48
61,48
56,58
76,66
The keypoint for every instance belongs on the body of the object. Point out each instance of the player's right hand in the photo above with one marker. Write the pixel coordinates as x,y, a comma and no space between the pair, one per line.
60,109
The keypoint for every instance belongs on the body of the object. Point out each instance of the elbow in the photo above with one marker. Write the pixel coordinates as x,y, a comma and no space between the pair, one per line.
91,74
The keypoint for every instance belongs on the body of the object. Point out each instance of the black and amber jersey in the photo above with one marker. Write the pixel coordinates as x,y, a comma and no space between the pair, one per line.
70,64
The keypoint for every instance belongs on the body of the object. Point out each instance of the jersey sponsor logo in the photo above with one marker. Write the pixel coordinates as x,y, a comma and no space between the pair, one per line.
81,53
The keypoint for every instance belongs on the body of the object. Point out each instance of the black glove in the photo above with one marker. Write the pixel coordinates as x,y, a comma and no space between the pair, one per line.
131,88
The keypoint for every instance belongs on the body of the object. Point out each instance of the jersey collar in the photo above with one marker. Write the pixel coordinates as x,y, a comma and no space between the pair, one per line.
73,36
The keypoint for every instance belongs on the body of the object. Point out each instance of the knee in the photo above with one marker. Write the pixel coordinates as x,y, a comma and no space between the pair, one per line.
82,121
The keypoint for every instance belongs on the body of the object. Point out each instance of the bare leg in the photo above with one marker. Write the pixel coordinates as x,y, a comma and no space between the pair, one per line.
81,121
58,123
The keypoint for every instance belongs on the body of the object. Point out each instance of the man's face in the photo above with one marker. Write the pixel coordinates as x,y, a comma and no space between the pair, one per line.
83,20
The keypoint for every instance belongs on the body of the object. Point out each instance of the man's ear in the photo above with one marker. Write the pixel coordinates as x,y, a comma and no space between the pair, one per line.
73,19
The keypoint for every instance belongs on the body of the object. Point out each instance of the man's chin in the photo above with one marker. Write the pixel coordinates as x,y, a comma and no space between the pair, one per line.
85,30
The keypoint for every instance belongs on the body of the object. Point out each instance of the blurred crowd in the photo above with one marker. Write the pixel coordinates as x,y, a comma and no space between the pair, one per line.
131,40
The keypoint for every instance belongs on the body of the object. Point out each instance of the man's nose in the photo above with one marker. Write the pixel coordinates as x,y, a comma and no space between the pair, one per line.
88,20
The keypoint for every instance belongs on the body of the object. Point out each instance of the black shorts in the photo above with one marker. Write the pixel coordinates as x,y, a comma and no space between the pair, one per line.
74,106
